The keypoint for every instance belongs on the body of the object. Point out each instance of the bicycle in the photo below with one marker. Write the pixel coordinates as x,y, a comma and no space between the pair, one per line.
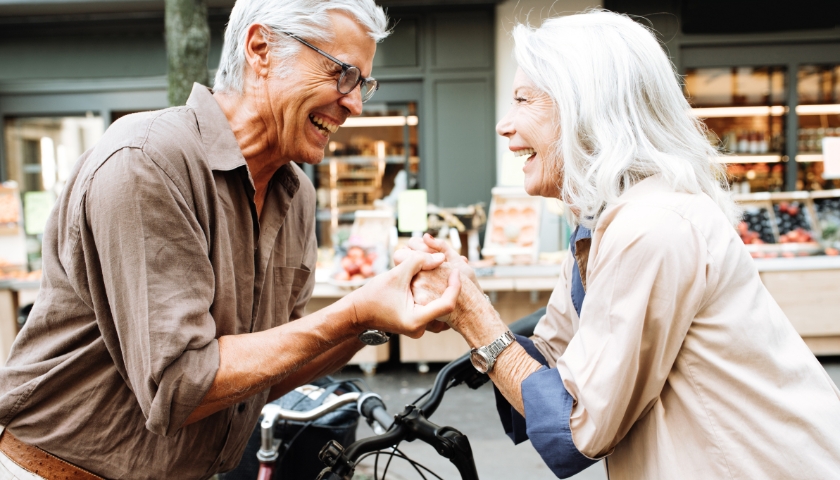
409,425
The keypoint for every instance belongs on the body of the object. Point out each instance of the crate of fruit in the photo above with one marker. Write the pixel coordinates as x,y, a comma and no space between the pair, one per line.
787,223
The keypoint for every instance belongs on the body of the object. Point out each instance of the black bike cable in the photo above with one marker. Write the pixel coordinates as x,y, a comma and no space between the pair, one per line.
421,397
415,465
388,463
292,441
402,456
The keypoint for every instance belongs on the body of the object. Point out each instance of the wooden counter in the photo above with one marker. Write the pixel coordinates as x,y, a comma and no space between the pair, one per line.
808,291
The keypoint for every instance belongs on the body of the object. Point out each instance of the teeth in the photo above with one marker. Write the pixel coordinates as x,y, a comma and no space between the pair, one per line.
527,152
325,125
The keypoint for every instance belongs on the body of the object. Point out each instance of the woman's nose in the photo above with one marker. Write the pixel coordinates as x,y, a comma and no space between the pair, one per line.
505,125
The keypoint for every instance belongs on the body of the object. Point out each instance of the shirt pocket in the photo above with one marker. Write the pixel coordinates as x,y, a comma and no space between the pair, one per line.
288,283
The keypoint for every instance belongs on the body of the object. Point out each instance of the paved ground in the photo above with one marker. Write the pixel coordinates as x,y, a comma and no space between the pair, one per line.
473,412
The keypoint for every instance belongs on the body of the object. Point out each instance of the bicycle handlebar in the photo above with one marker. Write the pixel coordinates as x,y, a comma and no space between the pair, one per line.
271,413
413,422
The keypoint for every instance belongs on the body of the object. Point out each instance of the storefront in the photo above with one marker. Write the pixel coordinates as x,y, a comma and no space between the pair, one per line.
70,70
766,82
768,96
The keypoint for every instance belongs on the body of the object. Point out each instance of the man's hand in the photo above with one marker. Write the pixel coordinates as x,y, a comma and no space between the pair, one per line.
429,244
387,302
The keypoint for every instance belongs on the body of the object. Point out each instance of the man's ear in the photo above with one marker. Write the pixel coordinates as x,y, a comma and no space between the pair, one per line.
257,50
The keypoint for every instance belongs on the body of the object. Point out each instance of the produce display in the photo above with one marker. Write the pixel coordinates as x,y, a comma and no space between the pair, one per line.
756,227
514,225
793,222
828,213
828,209
9,207
356,266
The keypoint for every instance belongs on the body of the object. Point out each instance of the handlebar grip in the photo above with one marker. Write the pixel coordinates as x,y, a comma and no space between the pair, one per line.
371,406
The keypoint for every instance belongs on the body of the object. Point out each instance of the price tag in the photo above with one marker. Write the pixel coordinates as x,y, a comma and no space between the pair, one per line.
36,210
412,211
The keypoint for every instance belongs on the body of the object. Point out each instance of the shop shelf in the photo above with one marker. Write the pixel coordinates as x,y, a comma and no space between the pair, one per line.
732,112
809,157
752,158
827,109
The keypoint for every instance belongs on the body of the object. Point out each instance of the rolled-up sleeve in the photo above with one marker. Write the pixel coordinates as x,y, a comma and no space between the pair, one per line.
142,241
548,406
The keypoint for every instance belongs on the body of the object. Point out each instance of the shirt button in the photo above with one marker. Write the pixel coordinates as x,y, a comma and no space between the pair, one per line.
241,407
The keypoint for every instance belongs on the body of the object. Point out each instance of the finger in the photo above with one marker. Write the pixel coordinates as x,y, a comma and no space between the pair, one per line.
441,246
417,261
436,326
417,243
443,305
401,254
465,259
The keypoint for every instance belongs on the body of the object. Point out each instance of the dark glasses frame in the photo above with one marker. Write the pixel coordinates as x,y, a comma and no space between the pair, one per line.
369,85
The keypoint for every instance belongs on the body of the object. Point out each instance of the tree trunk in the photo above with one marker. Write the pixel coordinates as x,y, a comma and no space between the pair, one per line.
187,47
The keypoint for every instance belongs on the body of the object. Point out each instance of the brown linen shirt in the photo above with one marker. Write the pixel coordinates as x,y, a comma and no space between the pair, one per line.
681,364
152,253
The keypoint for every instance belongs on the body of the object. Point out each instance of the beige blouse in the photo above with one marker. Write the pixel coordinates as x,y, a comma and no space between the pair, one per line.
682,365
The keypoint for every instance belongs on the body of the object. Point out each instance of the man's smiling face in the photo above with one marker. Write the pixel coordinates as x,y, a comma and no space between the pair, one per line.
304,107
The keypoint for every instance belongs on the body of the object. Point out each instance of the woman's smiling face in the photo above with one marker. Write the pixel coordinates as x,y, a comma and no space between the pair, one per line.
530,125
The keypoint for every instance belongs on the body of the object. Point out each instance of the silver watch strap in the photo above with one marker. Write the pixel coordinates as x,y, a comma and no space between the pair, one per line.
496,346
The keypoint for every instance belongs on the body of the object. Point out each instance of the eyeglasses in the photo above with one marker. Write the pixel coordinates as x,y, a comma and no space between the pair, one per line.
350,75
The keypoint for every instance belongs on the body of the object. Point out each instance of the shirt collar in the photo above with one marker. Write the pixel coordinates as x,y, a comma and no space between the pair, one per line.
219,142
223,152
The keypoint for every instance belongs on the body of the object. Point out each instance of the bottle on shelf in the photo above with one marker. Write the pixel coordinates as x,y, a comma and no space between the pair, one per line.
743,142
755,147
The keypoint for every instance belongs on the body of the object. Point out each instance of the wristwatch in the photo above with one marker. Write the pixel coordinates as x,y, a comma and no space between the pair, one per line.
374,337
483,358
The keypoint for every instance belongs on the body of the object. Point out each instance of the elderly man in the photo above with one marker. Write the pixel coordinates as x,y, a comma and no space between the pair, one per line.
179,252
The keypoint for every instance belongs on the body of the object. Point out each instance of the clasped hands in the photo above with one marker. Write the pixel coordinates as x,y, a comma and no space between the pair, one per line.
431,288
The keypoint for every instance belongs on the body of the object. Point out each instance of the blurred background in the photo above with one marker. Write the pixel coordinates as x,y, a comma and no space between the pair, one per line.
424,157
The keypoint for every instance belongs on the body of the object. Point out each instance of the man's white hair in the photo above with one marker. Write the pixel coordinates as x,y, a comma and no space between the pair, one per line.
621,115
308,19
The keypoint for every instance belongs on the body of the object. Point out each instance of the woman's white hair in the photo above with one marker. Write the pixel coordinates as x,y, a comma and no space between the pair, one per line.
621,114
308,19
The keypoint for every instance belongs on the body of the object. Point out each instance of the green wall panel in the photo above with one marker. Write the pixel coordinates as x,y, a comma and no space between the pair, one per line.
466,166
400,49
82,57
462,40
89,56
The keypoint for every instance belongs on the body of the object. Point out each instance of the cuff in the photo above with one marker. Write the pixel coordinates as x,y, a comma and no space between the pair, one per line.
548,407
512,421
182,387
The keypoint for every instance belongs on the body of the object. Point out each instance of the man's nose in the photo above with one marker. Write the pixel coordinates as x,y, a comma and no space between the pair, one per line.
352,101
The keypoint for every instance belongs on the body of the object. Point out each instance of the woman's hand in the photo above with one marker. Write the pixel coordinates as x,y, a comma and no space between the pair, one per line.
387,302
429,244
473,316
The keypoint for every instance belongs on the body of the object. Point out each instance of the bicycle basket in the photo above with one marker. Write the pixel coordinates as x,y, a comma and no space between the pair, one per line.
301,442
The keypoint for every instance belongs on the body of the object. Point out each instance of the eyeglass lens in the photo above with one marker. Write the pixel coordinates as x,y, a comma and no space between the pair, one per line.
350,78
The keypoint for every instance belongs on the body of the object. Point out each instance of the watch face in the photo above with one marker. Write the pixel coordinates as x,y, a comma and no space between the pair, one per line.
479,361
374,337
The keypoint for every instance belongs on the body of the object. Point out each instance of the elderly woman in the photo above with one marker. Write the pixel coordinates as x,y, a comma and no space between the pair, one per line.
661,351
